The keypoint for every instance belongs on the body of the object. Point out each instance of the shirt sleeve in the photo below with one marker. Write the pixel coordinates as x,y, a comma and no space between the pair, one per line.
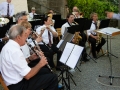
1,9
20,64
116,16
62,30
38,30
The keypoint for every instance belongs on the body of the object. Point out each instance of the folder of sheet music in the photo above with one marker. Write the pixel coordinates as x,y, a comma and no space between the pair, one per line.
109,31
71,54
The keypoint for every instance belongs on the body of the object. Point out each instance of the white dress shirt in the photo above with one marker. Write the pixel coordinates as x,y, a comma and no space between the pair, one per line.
45,34
13,64
3,9
63,28
91,30
31,15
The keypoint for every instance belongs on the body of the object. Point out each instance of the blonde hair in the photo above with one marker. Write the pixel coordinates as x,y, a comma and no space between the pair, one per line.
26,24
92,14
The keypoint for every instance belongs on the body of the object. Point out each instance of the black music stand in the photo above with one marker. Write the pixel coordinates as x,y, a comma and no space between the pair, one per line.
109,51
65,69
57,19
39,16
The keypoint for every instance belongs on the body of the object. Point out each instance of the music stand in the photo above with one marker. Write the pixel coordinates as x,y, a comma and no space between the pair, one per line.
110,32
57,19
40,17
61,45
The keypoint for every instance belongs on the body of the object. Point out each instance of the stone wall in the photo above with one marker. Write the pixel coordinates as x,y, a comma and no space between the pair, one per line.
43,6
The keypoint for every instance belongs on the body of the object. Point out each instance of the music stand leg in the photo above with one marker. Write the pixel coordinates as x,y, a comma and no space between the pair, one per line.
68,77
111,76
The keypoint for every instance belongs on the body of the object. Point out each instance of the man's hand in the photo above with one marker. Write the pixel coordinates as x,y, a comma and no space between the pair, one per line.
95,37
39,39
43,61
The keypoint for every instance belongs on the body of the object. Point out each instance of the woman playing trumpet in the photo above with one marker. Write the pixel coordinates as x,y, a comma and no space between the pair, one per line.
93,37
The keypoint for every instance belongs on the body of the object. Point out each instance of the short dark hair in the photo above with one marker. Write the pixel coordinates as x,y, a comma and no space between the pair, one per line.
46,18
69,15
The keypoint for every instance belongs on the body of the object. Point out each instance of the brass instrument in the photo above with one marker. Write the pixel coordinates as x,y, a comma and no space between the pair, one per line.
98,34
76,37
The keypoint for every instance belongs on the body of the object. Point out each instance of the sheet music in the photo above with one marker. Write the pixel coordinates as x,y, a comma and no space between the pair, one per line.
73,59
67,51
60,42
108,30
71,54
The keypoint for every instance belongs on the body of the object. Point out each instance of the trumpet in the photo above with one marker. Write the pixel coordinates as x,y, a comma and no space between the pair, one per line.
42,40
37,53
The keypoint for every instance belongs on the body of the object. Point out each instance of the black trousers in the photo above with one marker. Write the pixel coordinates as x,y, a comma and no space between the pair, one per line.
42,80
52,51
93,45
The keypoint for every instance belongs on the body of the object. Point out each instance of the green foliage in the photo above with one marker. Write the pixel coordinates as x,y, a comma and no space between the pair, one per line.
89,6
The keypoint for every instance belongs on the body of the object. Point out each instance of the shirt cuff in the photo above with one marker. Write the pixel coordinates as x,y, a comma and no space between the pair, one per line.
116,16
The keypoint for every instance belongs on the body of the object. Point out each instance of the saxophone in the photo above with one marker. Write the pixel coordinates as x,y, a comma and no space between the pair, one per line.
76,37
98,34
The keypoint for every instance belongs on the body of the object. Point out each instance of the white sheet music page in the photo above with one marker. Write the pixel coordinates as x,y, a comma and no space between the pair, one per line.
66,52
74,57
109,30
60,42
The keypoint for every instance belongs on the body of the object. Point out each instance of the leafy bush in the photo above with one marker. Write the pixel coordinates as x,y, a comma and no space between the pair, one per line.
89,6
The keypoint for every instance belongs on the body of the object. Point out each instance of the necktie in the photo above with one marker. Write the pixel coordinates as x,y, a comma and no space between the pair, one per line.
33,15
95,25
49,37
8,10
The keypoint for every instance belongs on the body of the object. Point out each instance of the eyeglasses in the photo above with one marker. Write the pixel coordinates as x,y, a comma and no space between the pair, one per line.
24,19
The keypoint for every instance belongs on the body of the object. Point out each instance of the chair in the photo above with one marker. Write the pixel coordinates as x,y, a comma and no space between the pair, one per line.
59,33
3,83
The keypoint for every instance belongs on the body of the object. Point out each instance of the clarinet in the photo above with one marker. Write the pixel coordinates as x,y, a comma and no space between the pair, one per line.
32,48
36,44
42,40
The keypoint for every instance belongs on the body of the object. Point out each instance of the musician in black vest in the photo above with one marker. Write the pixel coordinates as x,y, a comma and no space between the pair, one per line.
69,23
92,36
